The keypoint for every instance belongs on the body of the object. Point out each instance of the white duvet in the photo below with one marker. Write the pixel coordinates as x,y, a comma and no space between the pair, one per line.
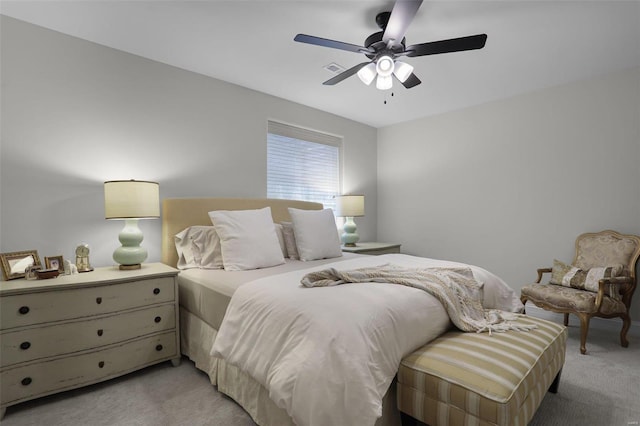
327,355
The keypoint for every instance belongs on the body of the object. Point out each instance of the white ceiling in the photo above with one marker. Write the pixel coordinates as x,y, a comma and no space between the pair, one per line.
530,45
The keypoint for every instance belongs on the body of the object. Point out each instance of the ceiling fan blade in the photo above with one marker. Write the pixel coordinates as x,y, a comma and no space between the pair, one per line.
325,42
445,46
345,74
412,81
401,16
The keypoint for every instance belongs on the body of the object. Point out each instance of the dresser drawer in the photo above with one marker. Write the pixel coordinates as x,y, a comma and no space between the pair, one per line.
41,342
37,308
46,377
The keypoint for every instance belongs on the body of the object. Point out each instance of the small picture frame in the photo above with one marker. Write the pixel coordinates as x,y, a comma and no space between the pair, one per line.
15,264
54,262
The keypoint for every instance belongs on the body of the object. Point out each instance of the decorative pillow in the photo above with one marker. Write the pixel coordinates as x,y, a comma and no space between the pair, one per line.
290,240
583,279
316,234
280,235
198,247
248,239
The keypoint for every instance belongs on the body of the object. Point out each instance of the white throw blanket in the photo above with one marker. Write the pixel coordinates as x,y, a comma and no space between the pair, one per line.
328,355
455,288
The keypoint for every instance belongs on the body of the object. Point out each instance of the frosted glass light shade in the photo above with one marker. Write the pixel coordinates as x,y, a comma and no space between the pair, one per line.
384,83
402,71
367,73
349,205
131,200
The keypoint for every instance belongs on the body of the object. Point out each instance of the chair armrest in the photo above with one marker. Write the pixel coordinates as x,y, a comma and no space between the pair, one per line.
615,280
620,281
542,271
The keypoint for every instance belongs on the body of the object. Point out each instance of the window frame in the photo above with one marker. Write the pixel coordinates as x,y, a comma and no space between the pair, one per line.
308,135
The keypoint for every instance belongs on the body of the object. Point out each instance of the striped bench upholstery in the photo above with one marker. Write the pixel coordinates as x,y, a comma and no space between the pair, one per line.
478,379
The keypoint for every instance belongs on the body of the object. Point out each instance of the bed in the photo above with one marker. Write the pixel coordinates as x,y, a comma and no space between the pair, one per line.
206,295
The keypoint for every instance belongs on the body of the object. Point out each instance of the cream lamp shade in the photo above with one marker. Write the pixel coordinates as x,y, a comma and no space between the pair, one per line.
130,200
349,206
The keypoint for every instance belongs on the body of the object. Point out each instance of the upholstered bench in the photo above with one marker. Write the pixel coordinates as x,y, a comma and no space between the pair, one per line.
481,379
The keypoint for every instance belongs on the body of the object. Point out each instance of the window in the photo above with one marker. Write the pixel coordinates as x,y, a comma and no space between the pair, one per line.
302,164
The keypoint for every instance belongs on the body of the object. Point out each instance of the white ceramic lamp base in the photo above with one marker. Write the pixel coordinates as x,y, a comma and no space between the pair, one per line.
349,237
130,255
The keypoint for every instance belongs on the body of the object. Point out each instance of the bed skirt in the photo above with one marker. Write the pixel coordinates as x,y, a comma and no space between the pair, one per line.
196,340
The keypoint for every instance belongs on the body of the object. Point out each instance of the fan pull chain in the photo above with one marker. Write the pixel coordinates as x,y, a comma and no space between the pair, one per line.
385,98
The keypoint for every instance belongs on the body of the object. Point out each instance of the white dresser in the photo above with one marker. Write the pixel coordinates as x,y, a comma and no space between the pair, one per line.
74,330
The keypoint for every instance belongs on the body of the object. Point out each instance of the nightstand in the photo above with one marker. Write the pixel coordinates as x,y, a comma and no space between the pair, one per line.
373,248
75,330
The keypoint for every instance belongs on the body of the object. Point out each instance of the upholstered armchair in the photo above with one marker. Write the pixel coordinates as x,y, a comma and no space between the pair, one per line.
599,283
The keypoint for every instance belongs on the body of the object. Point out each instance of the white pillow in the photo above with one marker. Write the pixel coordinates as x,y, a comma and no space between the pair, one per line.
290,240
280,235
198,247
248,239
316,234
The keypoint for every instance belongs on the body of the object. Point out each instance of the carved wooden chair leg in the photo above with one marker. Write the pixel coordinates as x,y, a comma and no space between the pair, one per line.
584,330
566,320
626,323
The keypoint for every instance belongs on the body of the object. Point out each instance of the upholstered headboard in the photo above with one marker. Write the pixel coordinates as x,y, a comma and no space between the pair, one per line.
179,213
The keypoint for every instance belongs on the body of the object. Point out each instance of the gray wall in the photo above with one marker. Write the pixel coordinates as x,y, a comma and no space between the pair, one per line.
510,184
75,114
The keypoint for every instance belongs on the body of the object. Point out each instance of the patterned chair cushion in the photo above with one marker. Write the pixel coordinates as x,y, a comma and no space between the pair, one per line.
563,298
570,276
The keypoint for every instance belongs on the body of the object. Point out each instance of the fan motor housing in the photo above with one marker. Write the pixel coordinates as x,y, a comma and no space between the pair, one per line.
375,42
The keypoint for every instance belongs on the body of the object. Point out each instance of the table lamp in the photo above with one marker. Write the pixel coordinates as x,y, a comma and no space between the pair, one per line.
349,206
130,200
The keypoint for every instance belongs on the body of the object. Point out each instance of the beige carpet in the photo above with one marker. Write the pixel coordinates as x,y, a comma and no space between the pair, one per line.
601,388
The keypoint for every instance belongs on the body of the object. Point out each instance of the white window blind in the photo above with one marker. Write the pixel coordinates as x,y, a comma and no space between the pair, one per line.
302,164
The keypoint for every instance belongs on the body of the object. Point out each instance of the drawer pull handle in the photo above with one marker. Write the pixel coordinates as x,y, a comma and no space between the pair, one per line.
26,381
24,310
157,319
156,291
98,300
100,332
158,348
101,364
25,345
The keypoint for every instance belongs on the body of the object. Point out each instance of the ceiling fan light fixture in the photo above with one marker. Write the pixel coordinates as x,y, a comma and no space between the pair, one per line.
384,82
385,66
402,71
367,73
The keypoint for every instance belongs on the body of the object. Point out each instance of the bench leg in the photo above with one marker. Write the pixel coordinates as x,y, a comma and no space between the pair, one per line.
556,383
407,420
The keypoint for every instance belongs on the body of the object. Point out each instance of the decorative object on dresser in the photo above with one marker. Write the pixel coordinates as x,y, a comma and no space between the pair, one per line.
350,206
81,329
45,274
54,262
373,248
131,200
82,258
15,264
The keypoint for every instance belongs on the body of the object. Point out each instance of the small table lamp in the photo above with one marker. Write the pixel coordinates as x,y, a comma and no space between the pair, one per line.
130,200
349,206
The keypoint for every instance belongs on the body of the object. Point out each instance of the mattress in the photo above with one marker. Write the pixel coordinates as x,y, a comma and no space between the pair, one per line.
206,293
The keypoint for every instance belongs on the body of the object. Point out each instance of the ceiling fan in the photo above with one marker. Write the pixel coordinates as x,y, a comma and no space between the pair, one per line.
384,47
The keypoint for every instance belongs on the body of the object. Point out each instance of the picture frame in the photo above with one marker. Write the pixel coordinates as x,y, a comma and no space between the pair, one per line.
14,264
54,262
